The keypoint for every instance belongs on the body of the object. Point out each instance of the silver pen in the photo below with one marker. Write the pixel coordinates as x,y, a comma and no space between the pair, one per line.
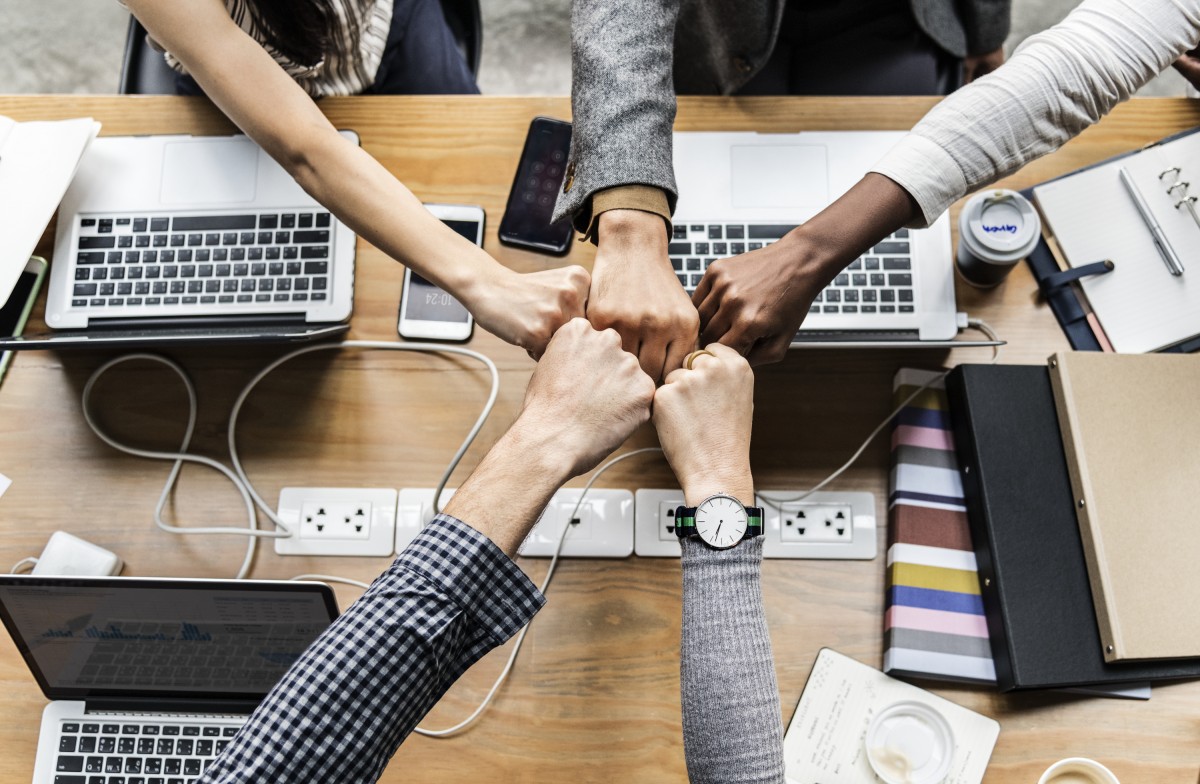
1174,265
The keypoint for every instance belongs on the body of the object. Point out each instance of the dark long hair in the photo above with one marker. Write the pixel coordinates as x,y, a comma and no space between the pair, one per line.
299,29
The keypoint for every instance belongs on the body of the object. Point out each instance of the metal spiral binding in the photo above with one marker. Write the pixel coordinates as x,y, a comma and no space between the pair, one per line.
1181,185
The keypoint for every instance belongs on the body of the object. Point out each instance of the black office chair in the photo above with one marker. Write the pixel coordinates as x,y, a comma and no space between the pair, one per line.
143,71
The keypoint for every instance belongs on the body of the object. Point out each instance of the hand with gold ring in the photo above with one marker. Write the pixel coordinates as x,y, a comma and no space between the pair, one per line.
703,413
690,358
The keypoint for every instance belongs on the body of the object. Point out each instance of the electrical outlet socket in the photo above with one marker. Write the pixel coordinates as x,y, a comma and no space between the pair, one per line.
805,521
824,525
604,530
337,521
655,521
654,531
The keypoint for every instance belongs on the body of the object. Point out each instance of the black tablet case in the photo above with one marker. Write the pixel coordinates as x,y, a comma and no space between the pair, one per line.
1020,509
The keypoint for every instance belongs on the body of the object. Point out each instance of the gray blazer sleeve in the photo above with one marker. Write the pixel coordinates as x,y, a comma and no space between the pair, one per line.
965,27
622,100
732,723
986,23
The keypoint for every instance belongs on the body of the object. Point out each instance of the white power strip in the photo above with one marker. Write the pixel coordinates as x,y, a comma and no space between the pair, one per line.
610,523
824,525
604,530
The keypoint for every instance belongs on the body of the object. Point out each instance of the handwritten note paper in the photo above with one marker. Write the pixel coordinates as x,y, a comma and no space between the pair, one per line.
825,744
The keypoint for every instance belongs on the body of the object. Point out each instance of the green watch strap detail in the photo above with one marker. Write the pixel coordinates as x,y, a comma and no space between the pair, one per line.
685,521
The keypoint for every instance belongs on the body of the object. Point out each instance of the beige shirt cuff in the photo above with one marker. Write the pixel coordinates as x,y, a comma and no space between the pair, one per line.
928,172
646,198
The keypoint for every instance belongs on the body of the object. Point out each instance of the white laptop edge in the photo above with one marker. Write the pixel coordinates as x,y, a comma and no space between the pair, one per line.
59,314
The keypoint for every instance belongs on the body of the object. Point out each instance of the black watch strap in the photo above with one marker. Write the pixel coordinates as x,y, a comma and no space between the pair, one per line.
685,521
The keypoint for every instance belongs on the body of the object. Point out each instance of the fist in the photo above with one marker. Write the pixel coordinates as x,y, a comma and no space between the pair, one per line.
703,417
635,292
587,394
527,309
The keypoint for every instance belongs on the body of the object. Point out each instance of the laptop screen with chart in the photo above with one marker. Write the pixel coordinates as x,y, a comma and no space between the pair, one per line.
147,638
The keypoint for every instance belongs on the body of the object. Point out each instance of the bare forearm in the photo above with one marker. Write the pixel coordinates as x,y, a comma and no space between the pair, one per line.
506,494
871,210
236,73
377,206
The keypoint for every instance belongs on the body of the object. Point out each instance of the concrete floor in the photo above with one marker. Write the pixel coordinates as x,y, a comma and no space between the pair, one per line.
76,46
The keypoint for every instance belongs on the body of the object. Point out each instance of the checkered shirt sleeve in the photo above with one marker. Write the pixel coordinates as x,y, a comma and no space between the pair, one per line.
345,706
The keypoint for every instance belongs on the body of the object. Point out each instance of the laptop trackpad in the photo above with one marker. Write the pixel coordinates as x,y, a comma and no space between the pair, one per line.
202,171
770,176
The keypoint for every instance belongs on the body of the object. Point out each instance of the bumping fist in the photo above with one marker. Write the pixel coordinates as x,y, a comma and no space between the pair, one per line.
635,292
703,417
527,309
587,394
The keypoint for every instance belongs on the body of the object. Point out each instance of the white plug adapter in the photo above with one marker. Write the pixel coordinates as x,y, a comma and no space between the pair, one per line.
68,555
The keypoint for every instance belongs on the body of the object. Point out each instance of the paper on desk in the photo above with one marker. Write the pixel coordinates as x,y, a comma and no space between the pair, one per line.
824,743
37,162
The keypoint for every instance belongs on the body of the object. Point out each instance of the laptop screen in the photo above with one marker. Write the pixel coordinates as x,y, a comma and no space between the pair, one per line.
136,637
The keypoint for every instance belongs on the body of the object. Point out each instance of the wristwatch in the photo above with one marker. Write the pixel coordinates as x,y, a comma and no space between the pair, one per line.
720,521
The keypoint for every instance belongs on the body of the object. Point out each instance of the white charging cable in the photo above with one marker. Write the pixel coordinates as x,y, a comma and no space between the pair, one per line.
238,476
244,485
776,502
512,656
19,566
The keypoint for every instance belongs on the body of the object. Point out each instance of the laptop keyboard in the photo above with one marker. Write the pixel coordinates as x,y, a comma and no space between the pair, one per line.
878,282
131,261
137,753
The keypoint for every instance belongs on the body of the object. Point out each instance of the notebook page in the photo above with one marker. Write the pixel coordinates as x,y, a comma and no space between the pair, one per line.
825,740
1140,304
37,162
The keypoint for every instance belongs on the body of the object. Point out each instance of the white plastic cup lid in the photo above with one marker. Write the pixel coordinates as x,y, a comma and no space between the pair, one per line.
1000,225
910,743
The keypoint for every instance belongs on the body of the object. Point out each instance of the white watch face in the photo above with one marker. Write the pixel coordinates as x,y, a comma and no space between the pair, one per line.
721,521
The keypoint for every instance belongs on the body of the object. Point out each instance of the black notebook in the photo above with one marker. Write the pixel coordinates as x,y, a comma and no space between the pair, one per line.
1032,572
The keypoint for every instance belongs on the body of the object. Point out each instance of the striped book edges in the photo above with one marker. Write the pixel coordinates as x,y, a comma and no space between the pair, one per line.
934,626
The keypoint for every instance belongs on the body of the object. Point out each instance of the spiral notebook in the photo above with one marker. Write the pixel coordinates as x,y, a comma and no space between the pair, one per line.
1140,305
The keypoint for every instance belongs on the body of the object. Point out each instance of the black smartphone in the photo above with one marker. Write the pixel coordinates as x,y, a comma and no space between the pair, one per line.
539,179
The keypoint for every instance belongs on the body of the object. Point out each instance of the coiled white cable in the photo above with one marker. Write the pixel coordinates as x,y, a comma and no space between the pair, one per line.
776,502
238,476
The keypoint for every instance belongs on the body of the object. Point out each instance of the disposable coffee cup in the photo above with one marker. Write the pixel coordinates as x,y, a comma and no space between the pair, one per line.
996,229
1078,770
910,743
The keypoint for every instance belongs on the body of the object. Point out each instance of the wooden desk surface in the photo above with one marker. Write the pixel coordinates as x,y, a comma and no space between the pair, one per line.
595,694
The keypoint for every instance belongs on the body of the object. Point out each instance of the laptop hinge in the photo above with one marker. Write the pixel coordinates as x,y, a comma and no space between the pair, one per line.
169,706
198,322
855,335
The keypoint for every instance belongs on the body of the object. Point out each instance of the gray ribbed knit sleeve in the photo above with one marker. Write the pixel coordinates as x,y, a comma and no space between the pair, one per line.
732,725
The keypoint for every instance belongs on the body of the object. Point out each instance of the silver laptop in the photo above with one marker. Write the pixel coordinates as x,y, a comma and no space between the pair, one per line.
193,239
151,678
741,191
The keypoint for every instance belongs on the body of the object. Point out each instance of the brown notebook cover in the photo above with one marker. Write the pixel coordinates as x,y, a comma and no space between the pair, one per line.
1131,432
